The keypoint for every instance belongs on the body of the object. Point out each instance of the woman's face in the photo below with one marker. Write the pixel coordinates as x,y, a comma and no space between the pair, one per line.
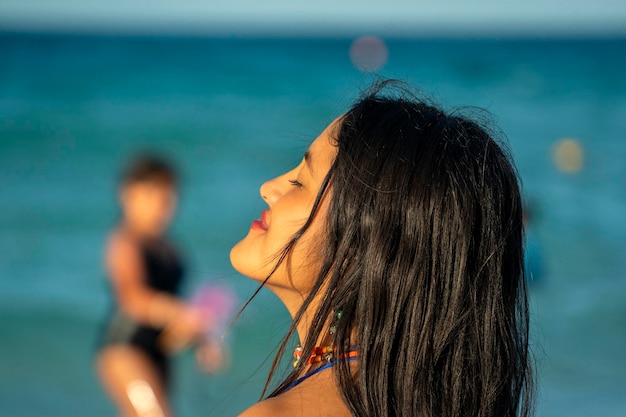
290,198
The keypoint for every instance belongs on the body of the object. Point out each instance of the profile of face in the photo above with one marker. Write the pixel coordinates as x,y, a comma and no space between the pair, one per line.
148,206
290,198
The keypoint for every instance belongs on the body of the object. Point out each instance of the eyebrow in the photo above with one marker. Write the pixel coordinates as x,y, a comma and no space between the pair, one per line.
308,159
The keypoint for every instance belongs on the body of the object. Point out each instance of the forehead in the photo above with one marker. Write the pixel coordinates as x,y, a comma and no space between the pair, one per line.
322,151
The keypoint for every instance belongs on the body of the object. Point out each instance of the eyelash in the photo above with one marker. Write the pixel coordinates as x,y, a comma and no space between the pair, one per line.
296,183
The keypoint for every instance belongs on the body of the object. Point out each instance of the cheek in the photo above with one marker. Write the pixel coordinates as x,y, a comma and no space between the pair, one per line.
138,207
166,211
306,256
155,212
256,254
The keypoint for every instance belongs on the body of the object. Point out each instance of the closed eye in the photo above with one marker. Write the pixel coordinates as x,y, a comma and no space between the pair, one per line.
296,183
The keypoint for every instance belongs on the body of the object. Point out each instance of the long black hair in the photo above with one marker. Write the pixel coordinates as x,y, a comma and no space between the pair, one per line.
423,256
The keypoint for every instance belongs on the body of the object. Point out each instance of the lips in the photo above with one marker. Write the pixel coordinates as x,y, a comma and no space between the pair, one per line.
261,223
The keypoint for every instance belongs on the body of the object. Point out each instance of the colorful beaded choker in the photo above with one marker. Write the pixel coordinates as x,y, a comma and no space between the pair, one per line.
324,353
316,371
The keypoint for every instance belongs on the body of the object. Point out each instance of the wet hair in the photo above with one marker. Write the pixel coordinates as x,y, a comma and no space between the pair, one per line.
146,167
423,256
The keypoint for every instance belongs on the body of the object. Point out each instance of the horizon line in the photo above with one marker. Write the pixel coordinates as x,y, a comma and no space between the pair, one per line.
242,29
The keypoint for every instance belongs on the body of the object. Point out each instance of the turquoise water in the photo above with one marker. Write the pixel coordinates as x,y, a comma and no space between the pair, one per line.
233,112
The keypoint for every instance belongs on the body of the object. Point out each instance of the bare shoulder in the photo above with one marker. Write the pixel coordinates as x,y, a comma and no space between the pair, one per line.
317,396
301,403
265,408
122,257
119,239
120,244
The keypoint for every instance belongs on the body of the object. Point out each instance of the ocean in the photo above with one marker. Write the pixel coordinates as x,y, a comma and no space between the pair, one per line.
233,112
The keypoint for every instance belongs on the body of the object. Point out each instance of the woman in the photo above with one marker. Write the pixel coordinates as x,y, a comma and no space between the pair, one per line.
149,322
396,245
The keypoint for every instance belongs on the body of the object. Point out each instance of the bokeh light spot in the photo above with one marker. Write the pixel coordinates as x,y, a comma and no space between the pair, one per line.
568,156
369,53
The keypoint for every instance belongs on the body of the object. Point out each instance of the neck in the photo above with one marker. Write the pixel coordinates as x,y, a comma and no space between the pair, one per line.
293,302
140,232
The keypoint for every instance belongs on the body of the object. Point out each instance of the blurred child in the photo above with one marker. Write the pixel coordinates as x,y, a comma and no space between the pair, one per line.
148,321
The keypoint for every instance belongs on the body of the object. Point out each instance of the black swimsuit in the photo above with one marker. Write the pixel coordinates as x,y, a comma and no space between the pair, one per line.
164,272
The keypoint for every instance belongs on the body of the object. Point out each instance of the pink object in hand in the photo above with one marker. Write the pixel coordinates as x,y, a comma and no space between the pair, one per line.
216,303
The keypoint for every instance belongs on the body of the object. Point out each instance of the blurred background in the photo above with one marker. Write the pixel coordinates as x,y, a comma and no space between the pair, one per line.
233,92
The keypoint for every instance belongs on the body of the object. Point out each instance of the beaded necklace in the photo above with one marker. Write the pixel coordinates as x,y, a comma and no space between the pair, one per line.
322,353
315,371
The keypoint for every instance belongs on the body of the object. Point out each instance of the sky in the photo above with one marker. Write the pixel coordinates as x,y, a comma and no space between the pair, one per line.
332,16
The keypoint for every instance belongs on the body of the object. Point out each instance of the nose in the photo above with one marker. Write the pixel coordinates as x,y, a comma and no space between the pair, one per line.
270,191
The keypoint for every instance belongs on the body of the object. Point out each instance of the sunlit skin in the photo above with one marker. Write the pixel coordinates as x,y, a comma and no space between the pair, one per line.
290,198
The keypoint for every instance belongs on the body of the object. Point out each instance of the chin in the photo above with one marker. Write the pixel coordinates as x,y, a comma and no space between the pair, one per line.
242,262
235,257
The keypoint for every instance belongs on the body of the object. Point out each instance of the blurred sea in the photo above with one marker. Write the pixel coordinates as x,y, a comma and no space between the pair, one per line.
234,112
